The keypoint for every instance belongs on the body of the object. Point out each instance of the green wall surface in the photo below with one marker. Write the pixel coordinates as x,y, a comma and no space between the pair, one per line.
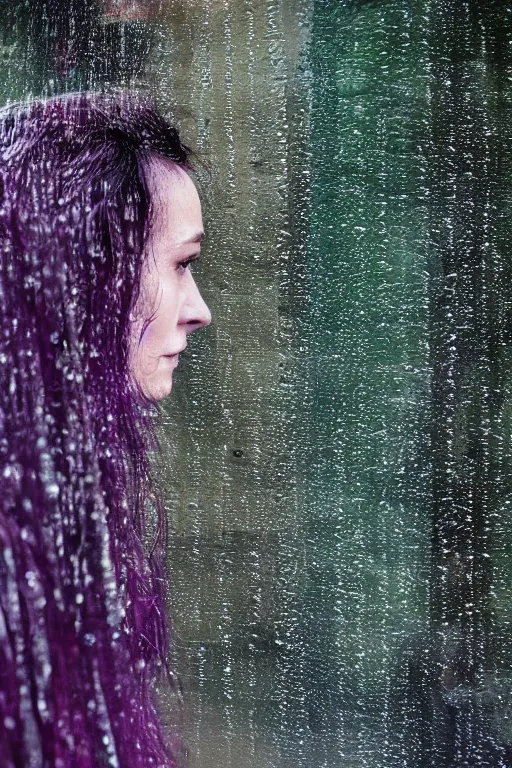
366,490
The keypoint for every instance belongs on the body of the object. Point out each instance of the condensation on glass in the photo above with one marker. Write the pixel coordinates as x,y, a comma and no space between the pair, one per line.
338,447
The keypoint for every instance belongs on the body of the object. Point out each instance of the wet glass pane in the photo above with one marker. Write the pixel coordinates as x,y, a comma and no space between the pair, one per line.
337,448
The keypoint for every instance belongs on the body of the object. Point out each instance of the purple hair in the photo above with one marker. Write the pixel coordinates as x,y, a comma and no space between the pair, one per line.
83,632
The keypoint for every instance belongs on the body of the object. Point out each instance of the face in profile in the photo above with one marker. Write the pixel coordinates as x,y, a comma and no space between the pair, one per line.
170,306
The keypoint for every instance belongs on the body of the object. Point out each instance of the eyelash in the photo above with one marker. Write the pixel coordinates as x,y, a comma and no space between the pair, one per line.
184,264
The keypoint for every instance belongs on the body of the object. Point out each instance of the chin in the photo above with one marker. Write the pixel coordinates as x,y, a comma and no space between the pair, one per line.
156,388
161,392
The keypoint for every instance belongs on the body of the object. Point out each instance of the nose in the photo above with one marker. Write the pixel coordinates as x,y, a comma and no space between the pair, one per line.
195,313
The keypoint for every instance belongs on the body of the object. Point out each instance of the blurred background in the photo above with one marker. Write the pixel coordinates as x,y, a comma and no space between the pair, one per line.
338,445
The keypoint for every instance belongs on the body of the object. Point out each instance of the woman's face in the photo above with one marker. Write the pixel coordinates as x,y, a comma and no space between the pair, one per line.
169,296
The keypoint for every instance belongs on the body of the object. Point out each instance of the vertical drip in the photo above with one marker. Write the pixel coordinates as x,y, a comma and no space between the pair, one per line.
203,55
228,114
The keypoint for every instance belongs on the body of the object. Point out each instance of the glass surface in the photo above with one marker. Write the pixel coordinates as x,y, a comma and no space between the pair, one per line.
338,444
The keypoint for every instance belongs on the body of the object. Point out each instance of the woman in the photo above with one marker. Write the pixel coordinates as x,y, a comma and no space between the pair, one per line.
99,223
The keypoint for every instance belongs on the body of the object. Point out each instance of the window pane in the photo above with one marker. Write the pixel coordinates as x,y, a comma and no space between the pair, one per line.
337,448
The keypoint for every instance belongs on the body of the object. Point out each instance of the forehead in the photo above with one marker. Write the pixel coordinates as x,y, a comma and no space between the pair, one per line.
176,204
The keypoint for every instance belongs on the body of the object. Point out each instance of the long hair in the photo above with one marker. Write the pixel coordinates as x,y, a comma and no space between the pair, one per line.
83,632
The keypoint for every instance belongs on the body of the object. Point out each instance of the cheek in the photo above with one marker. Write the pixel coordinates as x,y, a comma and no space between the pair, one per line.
149,369
169,302
164,316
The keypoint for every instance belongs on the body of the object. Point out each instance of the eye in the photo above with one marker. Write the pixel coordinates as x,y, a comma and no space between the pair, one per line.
183,265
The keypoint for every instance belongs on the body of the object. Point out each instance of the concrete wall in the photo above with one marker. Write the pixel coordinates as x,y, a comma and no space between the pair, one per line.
231,73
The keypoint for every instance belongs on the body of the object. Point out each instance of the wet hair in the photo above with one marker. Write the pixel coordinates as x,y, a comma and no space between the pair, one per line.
83,633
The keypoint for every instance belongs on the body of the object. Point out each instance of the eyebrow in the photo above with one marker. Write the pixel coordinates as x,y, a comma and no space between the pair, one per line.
195,238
